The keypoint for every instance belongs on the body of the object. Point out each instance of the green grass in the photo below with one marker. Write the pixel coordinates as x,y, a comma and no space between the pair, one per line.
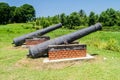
15,66
111,28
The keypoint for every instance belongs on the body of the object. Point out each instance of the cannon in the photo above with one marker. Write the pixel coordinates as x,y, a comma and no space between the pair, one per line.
42,49
20,40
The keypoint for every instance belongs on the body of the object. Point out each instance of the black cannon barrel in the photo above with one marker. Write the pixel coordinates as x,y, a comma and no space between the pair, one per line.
20,40
41,49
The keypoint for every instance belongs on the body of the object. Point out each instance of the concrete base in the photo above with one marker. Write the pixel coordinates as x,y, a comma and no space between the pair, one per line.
68,59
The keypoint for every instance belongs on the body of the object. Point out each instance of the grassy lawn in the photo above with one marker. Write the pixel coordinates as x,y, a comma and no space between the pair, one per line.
14,65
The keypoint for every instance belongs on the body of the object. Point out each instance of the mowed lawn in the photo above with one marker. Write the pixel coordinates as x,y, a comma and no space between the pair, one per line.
14,65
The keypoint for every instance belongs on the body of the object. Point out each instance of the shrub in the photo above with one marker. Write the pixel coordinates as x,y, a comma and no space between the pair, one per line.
112,45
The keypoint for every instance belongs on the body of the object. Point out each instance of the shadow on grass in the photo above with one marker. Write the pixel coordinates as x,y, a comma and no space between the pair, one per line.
94,54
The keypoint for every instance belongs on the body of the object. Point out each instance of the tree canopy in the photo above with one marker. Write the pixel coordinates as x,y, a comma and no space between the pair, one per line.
109,17
4,13
26,12
10,14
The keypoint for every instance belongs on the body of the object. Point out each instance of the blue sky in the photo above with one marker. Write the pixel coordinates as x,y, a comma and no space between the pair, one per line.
53,7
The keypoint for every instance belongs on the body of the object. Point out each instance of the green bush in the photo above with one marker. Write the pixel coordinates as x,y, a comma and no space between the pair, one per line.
111,44
37,22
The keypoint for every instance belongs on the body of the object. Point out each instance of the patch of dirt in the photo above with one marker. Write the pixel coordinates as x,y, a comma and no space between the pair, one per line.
97,59
38,64
14,48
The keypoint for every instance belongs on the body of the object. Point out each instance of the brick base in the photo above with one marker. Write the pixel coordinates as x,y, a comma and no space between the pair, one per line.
66,51
35,41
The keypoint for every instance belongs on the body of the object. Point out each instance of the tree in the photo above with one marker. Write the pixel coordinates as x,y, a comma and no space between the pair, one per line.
82,13
12,14
92,18
104,18
12,10
112,16
4,13
55,19
29,12
44,22
73,20
19,15
118,18
24,13
63,19
83,17
69,23
109,17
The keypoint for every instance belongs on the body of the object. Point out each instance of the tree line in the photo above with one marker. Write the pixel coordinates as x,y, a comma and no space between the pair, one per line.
26,12
13,14
109,17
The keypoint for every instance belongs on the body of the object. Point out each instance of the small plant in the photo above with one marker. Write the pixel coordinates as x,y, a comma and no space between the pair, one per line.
112,45
37,22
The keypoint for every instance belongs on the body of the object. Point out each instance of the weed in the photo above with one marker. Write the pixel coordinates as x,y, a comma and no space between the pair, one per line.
112,45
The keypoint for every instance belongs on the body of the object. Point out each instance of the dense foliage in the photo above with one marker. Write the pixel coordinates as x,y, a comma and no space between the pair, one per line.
26,12
4,13
110,17
10,14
